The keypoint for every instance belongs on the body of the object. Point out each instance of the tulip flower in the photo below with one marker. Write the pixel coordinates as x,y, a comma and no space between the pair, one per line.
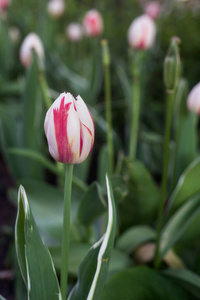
152,9
93,23
74,32
30,43
141,33
69,129
4,4
193,100
56,8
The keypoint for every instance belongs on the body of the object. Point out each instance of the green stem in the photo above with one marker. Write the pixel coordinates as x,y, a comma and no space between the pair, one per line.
44,88
109,118
66,230
135,113
170,97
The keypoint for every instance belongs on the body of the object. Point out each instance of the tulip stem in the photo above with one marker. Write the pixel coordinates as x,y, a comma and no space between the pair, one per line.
170,97
135,112
66,230
44,88
107,86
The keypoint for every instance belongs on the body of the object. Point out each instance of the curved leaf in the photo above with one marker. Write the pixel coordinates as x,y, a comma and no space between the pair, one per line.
188,279
144,284
178,223
93,269
134,237
188,185
33,256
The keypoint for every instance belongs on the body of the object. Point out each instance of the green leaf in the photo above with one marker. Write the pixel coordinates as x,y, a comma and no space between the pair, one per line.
33,256
187,279
186,146
93,269
33,117
187,186
140,204
142,283
37,156
178,223
8,136
134,237
92,204
77,251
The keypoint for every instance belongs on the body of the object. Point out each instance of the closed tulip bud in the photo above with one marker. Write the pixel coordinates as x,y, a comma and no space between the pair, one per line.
56,8
152,9
93,23
172,65
74,32
31,43
193,100
141,33
4,4
69,129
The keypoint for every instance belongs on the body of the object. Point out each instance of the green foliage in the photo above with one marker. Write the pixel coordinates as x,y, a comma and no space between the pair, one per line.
30,251
142,283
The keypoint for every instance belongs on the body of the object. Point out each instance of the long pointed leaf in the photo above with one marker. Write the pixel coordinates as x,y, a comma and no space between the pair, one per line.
188,185
178,224
93,270
33,256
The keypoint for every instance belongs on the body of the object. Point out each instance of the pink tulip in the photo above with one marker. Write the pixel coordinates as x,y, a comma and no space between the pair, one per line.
93,23
4,4
30,43
56,8
193,100
152,9
74,32
69,129
141,33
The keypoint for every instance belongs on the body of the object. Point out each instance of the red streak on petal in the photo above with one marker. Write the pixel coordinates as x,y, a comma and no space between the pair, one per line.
81,141
60,124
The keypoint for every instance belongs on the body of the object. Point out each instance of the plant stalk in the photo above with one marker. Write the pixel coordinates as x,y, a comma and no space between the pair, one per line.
135,113
66,230
44,88
109,118
170,97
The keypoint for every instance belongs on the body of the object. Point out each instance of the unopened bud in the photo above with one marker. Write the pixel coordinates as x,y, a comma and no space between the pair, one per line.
105,53
172,65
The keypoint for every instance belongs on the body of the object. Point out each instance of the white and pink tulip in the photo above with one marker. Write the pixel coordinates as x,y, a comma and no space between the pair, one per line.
56,8
141,33
193,100
74,32
30,43
4,4
153,9
69,129
93,23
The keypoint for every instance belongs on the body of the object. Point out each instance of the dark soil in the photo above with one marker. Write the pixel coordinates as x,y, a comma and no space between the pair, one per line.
7,221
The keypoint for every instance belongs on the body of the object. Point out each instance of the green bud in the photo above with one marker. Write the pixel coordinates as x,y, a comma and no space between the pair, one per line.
172,65
105,53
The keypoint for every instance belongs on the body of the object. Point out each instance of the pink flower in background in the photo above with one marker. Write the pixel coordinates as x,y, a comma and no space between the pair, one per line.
4,4
141,33
93,23
152,9
30,43
193,100
56,8
69,129
74,32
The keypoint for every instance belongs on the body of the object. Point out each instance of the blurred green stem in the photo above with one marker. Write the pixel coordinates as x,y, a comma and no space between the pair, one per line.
107,86
170,97
66,230
135,111
44,88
